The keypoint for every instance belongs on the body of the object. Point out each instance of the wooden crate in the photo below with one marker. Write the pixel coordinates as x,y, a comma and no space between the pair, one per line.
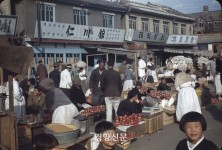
124,145
169,115
168,118
153,123
139,130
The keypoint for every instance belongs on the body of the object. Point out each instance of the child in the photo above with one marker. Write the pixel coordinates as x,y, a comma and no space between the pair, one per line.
105,130
46,142
193,124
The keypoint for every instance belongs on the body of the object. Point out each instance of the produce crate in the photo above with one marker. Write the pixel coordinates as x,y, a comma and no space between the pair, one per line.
169,115
139,130
124,145
153,123
168,118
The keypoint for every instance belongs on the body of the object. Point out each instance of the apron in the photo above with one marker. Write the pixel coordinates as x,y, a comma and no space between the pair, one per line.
187,101
64,114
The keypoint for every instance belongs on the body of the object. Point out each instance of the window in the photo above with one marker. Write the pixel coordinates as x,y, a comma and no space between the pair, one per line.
175,28
80,17
47,12
165,27
145,26
156,26
132,22
183,29
200,24
108,20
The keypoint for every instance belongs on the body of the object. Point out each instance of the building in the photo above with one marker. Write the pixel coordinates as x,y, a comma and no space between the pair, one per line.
208,27
67,30
5,7
159,29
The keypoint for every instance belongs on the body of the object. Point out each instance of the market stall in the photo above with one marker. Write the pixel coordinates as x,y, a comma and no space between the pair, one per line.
14,59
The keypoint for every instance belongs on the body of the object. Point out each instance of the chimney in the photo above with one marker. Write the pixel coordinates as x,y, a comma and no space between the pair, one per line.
205,9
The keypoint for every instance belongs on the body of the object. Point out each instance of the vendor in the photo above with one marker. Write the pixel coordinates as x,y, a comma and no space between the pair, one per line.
130,105
58,103
140,89
151,99
76,94
163,86
36,102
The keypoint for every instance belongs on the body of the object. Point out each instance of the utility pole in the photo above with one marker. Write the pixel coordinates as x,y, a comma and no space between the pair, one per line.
39,23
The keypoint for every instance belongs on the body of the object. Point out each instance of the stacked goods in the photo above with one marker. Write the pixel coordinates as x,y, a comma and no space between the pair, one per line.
93,110
132,120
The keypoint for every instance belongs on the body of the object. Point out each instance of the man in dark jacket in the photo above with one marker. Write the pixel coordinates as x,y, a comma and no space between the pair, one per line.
112,88
130,105
55,75
42,71
95,86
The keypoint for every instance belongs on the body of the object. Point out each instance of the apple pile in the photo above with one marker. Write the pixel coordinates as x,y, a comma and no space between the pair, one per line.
132,120
93,110
215,100
163,94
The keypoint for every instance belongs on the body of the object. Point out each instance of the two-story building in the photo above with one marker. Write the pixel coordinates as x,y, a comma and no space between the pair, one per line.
159,29
62,30
208,27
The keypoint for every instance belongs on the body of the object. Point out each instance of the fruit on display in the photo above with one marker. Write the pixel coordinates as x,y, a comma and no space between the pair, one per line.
93,110
132,120
215,100
163,94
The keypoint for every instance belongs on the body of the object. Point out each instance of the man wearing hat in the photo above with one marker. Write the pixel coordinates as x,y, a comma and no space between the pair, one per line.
65,79
55,75
62,109
42,71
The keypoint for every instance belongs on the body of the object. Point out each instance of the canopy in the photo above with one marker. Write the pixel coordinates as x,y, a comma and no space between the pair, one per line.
117,51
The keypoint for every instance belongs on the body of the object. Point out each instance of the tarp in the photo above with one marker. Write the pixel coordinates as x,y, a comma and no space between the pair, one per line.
16,58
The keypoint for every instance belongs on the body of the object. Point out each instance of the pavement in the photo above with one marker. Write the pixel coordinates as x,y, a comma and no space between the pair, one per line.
170,135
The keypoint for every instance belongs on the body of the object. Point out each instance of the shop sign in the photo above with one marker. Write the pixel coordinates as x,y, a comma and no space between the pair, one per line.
144,36
182,39
7,24
54,30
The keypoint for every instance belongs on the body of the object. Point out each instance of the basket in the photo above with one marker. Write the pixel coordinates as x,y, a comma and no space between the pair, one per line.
64,137
125,145
169,115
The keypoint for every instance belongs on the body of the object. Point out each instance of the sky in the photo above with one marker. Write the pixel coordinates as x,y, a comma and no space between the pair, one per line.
186,6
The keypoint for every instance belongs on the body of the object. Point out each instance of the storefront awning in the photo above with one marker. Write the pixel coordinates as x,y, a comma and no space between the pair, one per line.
179,51
76,50
119,51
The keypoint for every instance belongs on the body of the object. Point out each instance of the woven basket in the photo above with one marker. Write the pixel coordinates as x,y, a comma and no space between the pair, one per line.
125,145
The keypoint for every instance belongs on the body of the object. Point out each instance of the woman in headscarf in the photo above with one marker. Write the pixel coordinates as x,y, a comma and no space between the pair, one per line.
61,107
187,98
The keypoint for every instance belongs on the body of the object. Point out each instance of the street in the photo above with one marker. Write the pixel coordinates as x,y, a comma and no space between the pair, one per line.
170,135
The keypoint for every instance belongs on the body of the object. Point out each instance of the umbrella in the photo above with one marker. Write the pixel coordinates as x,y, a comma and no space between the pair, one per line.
81,64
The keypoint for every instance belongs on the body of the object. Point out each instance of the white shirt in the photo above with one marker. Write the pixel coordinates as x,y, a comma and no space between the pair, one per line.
82,75
141,68
192,146
65,80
